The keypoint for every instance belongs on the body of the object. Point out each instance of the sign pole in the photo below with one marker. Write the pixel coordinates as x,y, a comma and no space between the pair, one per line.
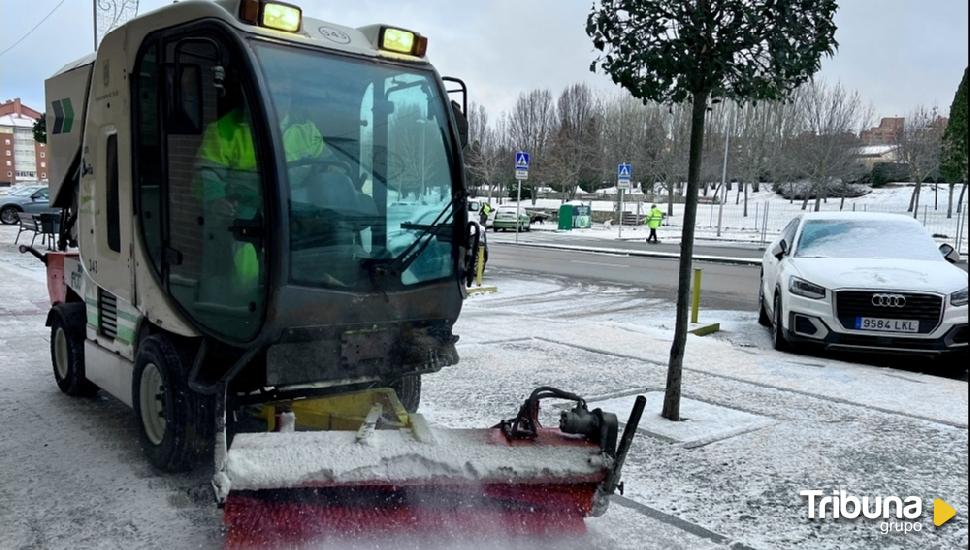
624,171
521,173
619,227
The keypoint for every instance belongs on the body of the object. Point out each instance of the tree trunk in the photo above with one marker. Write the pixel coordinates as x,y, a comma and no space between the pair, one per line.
745,213
671,408
914,200
670,199
842,202
913,197
949,202
737,198
936,197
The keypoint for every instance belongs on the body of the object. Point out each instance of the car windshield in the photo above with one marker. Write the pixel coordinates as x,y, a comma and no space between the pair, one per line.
368,158
23,191
887,239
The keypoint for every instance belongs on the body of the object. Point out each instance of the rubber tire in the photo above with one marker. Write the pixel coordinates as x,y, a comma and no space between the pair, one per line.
778,340
70,319
763,318
188,419
7,210
408,390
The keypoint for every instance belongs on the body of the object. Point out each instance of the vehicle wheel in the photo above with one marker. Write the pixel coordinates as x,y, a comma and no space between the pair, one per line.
763,318
528,228
67,349
174,424
408,390
777,328
9,215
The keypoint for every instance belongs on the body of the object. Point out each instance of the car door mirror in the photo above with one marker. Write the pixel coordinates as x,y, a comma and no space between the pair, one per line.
780,249
949,253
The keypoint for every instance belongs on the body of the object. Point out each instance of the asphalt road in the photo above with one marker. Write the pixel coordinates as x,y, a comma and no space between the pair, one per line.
723,286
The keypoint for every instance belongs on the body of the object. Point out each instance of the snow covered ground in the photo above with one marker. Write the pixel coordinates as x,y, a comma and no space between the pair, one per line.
761,426
756,225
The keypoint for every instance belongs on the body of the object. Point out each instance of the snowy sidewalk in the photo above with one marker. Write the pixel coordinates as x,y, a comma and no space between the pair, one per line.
768,425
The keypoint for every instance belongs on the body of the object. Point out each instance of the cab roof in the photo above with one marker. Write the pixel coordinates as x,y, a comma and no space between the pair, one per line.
313,32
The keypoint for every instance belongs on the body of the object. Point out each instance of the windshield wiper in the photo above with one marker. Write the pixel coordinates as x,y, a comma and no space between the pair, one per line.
396,265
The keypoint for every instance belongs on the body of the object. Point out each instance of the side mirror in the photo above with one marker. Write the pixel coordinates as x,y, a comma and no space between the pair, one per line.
462,121
949,253
780,249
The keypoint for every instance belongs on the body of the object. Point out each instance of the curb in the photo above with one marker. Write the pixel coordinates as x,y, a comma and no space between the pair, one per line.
640,253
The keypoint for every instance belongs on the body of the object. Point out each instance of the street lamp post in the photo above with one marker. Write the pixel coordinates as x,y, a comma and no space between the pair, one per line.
727,143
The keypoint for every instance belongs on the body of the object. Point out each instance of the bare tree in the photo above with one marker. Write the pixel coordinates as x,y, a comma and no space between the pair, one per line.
531,126
670,165
825,148
484,156
575,144
759,135
919,147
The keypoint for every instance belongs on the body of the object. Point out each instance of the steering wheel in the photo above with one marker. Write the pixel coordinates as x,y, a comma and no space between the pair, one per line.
323,164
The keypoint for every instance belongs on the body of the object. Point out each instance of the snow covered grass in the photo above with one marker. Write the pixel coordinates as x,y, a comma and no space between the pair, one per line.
736,226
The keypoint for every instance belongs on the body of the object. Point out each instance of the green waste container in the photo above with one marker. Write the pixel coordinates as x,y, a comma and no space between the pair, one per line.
566,217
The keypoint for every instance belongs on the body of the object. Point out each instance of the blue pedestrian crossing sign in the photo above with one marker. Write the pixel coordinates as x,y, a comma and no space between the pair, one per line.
624,171
521,165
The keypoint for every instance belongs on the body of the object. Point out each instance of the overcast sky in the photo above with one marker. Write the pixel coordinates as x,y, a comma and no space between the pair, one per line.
896,53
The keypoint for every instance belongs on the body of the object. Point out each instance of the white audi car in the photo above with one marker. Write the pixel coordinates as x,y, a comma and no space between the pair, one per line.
864,282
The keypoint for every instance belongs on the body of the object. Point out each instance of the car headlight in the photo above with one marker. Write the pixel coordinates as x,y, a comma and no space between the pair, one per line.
958,298
804,288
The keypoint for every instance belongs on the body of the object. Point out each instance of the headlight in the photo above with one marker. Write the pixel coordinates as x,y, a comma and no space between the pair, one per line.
958,298
804,288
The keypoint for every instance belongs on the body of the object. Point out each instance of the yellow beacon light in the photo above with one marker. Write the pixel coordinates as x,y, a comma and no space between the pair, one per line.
281,17
402,41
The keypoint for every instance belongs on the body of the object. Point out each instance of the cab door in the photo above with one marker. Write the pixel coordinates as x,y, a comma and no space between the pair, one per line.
202,197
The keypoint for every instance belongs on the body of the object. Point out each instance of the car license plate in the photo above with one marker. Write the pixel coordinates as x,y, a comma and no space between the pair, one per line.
886,325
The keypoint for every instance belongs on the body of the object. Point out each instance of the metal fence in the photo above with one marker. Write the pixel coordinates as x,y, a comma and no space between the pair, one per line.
766,218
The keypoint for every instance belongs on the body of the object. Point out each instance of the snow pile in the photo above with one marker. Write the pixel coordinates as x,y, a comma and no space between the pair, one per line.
304,459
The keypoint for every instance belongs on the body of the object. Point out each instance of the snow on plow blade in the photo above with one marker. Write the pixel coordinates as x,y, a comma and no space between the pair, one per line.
289,489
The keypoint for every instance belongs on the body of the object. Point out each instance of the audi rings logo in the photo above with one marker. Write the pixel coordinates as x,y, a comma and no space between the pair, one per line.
888,300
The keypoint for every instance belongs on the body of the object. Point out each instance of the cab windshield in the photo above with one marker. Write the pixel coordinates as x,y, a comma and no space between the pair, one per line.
367,152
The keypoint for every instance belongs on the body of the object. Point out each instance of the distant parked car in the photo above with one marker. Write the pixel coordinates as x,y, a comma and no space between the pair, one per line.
505,219
868,282
32,199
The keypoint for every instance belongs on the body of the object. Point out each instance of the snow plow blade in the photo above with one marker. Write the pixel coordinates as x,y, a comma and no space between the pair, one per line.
288,489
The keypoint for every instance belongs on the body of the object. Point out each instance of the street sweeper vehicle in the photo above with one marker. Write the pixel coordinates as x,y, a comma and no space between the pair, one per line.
264,245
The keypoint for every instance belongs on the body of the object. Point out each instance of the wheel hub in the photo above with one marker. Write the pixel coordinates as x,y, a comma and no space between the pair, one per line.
61,354
152,403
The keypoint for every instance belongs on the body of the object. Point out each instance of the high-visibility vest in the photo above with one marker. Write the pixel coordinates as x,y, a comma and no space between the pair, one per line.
656,216
228,154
